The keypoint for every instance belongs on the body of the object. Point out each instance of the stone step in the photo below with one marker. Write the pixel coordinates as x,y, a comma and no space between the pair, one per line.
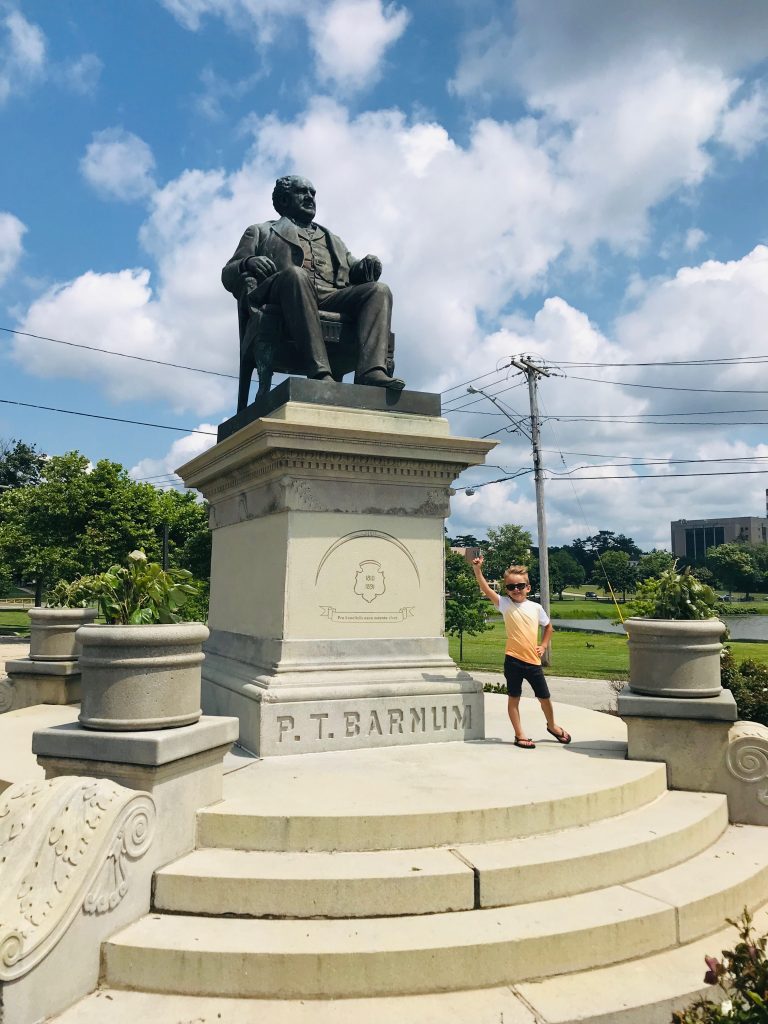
644,991
391,883
251,883
294,959
666,832
475,807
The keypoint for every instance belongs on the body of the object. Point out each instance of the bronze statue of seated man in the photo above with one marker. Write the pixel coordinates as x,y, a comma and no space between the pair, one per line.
297,270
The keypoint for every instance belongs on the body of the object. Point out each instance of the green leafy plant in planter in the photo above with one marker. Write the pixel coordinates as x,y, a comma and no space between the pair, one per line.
674,637
53,628
742,976
141,670
77,593
141,592
674,595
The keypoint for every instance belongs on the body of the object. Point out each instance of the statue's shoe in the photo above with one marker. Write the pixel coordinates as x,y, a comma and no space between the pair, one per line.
380,379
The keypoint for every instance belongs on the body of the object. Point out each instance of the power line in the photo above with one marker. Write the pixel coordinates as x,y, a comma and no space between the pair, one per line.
621,421
123,355
724,361
111,419
649,476
668,387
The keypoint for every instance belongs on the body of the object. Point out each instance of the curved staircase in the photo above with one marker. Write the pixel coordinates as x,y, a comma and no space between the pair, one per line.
473,883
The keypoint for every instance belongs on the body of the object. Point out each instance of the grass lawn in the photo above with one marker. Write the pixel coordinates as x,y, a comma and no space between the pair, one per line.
576,609
606,657
10,621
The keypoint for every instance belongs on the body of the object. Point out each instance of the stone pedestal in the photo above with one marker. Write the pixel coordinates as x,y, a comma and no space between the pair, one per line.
39,682
704,748
327,577
181,769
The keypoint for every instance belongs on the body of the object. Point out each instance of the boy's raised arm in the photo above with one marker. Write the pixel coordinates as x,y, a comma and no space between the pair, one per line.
482,582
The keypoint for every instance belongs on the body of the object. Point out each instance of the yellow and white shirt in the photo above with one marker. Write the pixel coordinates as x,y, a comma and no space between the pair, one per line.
522,622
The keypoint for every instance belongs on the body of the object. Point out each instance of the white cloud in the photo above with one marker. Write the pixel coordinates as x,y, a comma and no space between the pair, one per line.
544,49
745,125
694,239
119,165
162,472
80,76
22,54
11,234
350,38
704,312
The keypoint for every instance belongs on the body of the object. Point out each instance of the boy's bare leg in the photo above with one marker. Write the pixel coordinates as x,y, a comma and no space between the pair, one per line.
513,710
549,714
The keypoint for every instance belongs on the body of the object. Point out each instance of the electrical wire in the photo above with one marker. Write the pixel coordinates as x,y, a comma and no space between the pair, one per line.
123,355
668,387
111,419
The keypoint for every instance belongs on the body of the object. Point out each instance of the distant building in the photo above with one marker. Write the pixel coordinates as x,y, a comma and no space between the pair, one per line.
468,553
692,537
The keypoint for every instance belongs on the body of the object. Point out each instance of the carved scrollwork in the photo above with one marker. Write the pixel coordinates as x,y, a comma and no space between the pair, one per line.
131,841
64,844
747,758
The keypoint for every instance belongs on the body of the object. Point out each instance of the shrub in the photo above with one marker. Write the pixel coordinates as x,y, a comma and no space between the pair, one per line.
748,682
741,975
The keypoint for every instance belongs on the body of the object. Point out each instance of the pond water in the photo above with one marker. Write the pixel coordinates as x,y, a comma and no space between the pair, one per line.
742,627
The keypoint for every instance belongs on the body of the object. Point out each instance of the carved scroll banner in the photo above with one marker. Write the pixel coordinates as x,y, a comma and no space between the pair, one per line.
64,847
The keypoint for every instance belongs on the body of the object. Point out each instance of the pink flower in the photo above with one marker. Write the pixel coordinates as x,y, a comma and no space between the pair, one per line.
716,970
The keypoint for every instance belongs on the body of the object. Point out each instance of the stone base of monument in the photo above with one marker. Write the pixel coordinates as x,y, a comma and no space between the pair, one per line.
704,748
39,682
328,504
464,882
340,695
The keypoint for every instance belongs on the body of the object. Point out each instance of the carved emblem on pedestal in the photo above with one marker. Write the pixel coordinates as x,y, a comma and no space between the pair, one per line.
369,580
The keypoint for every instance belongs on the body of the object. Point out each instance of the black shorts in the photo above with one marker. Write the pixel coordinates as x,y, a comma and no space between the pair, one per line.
515,671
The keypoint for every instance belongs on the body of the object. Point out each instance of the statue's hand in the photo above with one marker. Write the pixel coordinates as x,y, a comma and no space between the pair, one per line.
367,269
260,267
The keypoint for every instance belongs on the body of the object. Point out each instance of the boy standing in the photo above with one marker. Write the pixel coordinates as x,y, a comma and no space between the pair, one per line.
522,619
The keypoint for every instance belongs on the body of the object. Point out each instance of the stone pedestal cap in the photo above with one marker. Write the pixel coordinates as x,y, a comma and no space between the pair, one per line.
141,748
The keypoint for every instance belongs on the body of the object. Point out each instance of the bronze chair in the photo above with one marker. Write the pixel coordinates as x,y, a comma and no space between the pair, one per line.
264,346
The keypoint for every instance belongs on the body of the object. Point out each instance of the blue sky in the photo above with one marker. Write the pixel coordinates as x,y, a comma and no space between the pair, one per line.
581,180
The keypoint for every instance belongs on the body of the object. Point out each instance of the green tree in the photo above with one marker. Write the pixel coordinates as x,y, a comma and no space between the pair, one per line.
588,552
189,539
654,563
509,545
21,464
733,568
616,566
83,519
465,607
6,578
466,540
564,571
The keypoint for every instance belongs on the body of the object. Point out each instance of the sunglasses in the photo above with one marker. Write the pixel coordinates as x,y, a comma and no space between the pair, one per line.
516,586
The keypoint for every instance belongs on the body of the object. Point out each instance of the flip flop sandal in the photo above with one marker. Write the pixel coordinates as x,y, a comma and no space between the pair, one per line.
526,744
562,736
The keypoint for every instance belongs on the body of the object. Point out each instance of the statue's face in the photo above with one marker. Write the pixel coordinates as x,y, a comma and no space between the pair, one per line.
300,202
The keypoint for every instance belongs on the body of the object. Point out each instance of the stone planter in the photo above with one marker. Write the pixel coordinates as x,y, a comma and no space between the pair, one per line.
141,677
674,658
52,632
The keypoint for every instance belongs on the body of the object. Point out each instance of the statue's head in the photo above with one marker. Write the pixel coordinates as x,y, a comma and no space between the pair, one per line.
294,197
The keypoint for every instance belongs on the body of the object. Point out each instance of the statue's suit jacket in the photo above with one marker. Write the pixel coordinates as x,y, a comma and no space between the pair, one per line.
279,240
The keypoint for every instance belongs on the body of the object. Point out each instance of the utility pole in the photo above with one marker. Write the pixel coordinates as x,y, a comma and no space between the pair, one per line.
532,372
